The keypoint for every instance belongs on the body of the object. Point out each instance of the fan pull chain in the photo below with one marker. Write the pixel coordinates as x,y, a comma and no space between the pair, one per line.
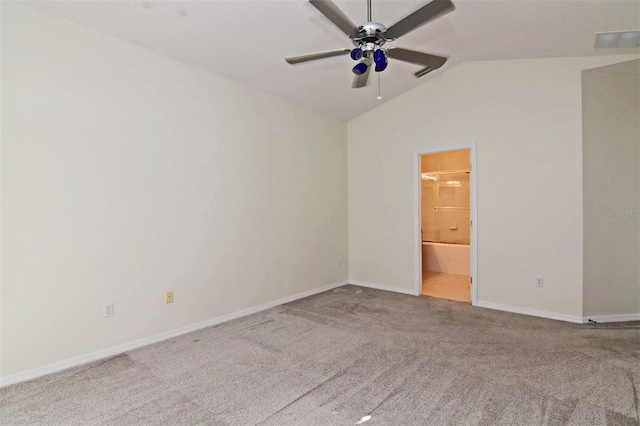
379,95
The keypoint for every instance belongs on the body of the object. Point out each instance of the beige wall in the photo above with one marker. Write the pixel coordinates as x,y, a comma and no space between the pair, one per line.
525,116
611,126
126,174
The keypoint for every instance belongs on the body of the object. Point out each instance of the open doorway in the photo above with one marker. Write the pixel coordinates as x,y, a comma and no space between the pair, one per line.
446,194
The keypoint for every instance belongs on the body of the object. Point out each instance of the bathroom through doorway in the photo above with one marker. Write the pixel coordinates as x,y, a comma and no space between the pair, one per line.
446,200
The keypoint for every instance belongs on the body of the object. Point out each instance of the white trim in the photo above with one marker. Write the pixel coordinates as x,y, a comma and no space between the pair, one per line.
115,350
417,223
612,318
382,287
473,175
474,228
531,312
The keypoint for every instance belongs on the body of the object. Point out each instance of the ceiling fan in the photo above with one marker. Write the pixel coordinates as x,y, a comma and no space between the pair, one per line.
371,36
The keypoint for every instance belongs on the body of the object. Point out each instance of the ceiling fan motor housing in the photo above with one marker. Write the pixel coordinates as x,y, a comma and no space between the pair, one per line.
370,32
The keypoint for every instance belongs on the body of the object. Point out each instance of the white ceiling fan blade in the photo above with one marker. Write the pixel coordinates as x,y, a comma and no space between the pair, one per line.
335,15
318,55
431,62
427,13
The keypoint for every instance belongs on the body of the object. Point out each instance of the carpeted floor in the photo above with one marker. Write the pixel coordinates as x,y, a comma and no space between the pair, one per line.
339,356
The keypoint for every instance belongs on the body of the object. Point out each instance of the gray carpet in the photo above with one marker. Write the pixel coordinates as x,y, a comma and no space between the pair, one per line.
336,357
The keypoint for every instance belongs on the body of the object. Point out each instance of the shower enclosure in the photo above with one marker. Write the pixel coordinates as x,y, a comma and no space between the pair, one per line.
446,230
445,207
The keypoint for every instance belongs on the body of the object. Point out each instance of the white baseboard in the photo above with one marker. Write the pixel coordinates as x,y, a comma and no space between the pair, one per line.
382,287
115,350
612,318
531,312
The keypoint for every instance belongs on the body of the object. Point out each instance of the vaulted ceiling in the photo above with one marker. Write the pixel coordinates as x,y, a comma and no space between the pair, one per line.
247,40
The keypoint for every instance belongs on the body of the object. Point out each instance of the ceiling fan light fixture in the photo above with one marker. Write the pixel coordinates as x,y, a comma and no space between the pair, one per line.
379,57
381,66
360,68
356,54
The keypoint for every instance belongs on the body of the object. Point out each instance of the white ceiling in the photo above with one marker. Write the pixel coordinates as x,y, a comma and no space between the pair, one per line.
248,40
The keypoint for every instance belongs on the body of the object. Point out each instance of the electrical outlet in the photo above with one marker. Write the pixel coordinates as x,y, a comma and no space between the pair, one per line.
108,310
539,282
168,297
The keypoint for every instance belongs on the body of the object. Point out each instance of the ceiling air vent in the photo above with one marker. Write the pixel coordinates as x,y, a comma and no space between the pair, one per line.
618,39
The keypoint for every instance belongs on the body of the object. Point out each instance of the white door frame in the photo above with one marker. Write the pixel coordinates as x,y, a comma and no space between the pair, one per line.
417,197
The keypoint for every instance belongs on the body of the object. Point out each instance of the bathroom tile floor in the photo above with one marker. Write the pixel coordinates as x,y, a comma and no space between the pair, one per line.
446,286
